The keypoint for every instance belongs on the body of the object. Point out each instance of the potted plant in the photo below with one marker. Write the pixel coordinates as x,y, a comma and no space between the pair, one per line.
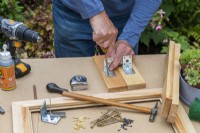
187,55
190,75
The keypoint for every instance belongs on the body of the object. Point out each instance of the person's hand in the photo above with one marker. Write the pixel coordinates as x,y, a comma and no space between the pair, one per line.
104,32
122,48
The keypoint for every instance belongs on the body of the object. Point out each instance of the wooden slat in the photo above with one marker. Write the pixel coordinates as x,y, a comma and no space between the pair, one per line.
114,84
168,81
17,118
176,82
182,121
115,96
133,81
27,121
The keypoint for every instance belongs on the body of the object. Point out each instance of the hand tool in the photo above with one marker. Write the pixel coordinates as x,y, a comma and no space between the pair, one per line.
34,92
53,88
78,82
16,32
1,110
153,113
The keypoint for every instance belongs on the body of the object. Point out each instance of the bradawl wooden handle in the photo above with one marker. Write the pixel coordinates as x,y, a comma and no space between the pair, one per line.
106,102
53,88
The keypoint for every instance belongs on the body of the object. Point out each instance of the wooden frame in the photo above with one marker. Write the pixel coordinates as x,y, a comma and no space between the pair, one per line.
21,111
170,94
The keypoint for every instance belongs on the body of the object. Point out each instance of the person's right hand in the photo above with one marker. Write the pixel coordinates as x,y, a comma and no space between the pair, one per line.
104,32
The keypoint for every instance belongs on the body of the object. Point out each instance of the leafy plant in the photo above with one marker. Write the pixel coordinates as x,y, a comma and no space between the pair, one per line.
38,17
10,9
192,72
189,54
180,22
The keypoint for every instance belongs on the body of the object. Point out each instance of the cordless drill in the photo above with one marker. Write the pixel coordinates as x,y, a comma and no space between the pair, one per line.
16,32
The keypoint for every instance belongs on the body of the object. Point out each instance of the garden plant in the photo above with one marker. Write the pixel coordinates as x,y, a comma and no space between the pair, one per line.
190,65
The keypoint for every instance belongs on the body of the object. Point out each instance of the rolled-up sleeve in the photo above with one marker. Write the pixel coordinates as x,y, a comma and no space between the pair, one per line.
86,8
140,16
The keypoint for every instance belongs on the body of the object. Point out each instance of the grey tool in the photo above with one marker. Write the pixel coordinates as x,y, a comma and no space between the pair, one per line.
107,63
2,110
78,82
153,113
128,65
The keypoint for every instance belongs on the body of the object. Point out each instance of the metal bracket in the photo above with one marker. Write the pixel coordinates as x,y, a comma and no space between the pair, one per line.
128,65
107,63
52,118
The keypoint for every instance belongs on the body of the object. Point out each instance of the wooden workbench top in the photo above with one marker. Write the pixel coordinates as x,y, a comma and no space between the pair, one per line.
60,71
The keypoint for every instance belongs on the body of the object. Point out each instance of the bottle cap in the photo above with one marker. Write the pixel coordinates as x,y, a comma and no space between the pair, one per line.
5,55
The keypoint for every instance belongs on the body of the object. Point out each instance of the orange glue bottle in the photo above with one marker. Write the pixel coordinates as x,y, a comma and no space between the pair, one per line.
7,70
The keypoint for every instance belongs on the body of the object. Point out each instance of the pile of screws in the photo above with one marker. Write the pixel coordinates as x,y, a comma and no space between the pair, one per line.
79,122
110,117
126,123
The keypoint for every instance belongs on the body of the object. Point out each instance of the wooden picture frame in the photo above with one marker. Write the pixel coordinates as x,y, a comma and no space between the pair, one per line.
21,111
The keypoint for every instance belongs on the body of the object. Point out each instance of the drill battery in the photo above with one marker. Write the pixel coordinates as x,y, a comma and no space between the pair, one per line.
21,68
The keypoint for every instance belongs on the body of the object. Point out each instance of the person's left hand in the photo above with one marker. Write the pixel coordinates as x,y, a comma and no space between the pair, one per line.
120,49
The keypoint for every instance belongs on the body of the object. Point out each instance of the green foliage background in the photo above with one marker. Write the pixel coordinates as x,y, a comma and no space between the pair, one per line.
182,25
37,15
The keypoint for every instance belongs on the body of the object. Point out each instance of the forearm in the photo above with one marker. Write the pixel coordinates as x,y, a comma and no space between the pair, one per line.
86,8
140,16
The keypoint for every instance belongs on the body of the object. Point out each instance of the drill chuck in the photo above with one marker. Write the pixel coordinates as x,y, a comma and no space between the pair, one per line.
26,34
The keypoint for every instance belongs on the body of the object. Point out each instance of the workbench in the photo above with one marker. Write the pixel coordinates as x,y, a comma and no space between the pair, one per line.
60,71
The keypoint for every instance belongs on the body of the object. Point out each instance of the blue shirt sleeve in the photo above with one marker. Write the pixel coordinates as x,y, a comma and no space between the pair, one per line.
140,16
86,8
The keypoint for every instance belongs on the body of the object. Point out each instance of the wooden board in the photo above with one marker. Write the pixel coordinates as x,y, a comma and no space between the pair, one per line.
176,82
133,81
113,84
182,121
121,82
168,81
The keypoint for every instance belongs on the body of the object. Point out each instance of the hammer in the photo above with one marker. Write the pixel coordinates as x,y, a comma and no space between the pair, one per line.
53,88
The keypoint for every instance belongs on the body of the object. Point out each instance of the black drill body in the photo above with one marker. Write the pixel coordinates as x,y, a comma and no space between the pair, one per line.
16,32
